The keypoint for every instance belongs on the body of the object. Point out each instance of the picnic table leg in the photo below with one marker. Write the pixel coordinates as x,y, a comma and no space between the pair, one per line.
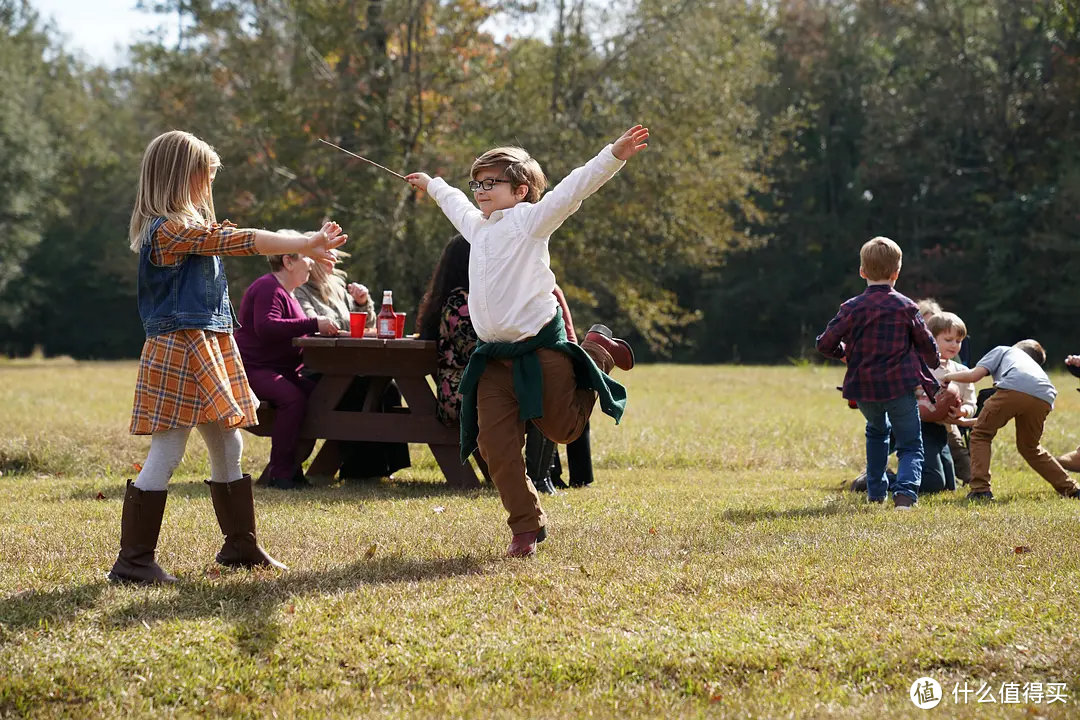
327,461
457,475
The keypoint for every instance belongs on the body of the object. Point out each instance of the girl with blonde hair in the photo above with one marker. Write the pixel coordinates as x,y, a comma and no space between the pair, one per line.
190,372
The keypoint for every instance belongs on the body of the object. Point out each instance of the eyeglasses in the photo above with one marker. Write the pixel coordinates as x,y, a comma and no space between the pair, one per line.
487,184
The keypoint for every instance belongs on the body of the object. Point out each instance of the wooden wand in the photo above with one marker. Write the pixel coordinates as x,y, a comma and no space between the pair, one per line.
369,162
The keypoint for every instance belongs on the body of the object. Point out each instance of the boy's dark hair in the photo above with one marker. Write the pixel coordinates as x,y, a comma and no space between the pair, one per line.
1034,349
451,272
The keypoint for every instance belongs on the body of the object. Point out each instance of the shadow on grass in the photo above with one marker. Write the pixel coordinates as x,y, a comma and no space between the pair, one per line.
749,515
249,600
341,493
38,608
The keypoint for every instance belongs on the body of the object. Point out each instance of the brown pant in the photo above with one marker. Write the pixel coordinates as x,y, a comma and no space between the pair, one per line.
501,433
1030,413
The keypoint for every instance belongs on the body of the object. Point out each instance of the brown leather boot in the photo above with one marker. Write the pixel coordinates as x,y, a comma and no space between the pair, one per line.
140,524
524,544
608,351
234,506
1070,461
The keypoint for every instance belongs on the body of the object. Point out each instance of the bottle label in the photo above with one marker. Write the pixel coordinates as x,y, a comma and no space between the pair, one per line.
387,326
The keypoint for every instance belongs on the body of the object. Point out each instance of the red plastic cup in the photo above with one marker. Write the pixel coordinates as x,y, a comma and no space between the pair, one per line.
399,328
357,323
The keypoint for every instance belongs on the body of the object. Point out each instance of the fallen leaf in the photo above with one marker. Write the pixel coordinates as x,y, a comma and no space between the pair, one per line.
137,466
100,496
652,531
716,698
291,609
371,551
1021,549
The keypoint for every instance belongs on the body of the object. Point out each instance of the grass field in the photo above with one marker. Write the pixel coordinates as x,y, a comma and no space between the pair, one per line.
715,569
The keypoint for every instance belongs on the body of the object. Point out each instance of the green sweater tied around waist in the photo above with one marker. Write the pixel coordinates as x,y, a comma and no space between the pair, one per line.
529,378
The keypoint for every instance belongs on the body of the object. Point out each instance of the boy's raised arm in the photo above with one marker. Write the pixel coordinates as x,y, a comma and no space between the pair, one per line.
564,199
457,208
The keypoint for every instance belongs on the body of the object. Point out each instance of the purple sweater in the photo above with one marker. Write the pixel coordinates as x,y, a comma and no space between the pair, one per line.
270,318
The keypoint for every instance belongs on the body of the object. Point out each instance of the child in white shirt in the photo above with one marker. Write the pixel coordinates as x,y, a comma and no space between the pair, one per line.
523,368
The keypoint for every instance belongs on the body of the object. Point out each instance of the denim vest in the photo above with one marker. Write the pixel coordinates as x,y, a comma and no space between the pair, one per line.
191,295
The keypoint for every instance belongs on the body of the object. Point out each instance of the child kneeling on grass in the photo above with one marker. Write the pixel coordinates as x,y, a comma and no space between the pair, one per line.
938,456
523,368
888,351
1024,392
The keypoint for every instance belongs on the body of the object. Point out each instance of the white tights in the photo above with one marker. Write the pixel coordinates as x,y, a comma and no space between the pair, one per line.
167,450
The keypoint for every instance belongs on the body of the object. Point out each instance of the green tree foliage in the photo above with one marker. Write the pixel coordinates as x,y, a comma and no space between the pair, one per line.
786,133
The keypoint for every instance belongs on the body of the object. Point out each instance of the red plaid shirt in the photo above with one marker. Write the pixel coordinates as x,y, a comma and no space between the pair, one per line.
886,344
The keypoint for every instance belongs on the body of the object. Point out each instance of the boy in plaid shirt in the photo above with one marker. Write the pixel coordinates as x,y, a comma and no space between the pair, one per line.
888,350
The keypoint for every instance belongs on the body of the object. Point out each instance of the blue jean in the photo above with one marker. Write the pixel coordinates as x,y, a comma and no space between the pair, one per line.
901,417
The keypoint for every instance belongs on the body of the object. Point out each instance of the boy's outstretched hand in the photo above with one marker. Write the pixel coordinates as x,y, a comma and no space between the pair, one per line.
418,180
630,143
320,246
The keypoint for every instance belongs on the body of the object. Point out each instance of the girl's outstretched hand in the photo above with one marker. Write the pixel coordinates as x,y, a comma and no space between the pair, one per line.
418,180
320,247
631,143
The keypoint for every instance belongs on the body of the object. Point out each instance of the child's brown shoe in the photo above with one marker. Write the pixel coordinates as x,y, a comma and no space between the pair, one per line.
620,352
903,502
524,544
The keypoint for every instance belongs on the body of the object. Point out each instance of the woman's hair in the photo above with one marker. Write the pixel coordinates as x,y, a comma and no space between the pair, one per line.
451,272
319,279
277,262
174,183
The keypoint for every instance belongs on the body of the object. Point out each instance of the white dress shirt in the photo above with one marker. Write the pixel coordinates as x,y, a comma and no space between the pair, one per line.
510,278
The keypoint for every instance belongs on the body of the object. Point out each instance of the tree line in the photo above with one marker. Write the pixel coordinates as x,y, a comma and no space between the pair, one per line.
785,134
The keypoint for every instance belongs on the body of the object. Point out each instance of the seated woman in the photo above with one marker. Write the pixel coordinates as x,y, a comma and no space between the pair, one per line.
444,318
326,294
270,318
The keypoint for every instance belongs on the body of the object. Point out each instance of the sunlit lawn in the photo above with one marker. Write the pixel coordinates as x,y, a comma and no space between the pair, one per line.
716,568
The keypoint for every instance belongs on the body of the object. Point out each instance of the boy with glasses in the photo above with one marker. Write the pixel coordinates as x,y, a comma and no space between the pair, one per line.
524,368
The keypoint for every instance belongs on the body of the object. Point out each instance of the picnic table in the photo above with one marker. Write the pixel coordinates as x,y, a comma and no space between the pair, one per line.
407,362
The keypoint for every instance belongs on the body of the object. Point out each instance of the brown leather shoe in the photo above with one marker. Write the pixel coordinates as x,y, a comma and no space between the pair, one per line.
1070,461
140,524
234,506
617,349
524,544
902,502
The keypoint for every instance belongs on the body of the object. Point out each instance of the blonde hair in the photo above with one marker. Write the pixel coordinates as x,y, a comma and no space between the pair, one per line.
329,284
944,322
928,307
1033,349
880,258
171,166
517,166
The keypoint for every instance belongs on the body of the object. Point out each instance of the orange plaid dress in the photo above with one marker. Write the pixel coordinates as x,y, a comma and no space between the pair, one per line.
190,377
